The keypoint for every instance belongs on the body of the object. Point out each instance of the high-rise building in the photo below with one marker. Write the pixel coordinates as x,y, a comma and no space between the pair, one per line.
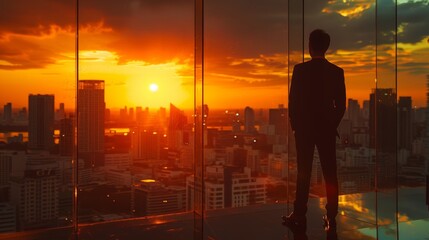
7,113
66,142
279,118
91,122
382,120
60,113
405,127
353,112
382,130
36,193
249,120
8,217
145,144
41,122
5,167
176,125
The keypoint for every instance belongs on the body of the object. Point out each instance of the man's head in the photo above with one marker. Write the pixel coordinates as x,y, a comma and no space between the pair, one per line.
319,43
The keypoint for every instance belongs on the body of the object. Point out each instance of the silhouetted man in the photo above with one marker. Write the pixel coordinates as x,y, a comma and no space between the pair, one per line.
316,106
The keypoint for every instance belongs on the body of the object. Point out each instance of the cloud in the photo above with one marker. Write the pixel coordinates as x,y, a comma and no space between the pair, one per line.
157,31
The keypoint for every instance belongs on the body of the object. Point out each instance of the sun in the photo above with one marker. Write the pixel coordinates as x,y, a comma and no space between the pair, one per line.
153,87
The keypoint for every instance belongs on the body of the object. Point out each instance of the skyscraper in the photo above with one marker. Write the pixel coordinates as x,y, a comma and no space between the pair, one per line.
405,126
145,144
66,137
7,112
41,122
177,122
279,117
91,122
383,129
249,120
353,111
382,120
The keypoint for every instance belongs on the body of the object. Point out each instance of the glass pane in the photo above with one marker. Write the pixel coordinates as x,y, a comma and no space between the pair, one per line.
351,26
37,93
383,124
245,146
201,111
135,106
295,55
412,119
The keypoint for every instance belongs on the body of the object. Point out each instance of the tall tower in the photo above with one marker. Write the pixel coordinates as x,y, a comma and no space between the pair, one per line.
382,120
249,120
176,125
279,117
405,137
41,122
354,112
66,137
91,107
7,113
383,129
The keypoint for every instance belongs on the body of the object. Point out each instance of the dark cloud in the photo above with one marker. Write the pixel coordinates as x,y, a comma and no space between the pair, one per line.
162,30
414,18
36,17
25,55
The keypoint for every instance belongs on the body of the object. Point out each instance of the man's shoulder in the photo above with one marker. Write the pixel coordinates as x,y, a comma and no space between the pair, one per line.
335,67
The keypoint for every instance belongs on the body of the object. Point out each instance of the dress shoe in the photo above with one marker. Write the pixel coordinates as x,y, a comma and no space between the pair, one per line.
294,220
329,224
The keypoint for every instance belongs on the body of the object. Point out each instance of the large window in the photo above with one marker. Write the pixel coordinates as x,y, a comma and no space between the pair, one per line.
174,115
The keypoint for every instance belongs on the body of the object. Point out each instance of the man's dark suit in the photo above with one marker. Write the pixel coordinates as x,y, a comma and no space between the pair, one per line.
316,106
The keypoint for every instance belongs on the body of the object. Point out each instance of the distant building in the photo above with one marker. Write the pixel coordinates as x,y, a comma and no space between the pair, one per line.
119,161
249,120
279,118
405,121
353,112
176,127
227,187
91,108
41,122
145,144
153,198
60,113
277,165
6,159
66,141
7,218
382,120
35,194
7,113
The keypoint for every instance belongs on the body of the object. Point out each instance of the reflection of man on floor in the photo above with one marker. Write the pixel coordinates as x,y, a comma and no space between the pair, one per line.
316,106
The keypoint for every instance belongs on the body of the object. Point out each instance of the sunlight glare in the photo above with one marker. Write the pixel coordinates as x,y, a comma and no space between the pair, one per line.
153,87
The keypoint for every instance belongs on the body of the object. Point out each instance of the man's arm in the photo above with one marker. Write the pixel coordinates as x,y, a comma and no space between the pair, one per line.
340,99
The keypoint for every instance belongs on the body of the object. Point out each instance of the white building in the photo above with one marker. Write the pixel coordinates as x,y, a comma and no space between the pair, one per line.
228,187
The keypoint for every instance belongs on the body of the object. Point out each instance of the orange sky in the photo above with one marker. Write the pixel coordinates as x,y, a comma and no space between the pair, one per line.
134,43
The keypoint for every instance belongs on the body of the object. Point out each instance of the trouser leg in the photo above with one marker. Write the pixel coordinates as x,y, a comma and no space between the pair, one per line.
327,154
305,150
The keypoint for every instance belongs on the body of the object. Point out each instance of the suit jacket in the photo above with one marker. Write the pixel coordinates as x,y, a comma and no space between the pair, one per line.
317,98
